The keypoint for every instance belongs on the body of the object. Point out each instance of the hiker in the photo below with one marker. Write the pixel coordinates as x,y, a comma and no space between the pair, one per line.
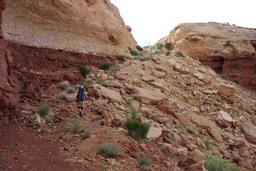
80,98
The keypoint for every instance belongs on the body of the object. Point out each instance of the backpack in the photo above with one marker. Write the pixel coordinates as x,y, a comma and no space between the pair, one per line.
81,96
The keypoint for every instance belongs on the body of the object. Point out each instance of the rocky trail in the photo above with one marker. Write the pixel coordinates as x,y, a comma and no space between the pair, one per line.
192,112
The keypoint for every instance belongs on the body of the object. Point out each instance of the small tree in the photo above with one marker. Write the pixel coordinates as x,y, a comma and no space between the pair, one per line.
137,129
216,163
43,110
84,70
105,66
168,46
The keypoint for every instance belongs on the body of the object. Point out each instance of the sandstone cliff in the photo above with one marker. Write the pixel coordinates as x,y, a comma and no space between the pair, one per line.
81,26
227,49
39,33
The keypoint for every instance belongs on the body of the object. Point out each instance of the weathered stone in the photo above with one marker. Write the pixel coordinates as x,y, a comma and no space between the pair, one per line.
215,135
226,90
201,121
154,132
250,131
170,106
148,96
108,93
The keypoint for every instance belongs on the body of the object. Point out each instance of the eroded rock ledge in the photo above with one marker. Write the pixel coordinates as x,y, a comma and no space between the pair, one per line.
91,26
228,49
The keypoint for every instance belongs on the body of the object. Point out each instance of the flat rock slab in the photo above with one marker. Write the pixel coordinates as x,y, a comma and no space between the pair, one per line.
154,132
108,93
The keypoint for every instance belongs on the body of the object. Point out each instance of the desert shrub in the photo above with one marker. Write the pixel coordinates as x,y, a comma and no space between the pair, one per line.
157,53
208,144
144,161
1,161
134,112
168,46
133,52
139,48
109,150
137,129
105,66
102,123
167,53
121,59
115,69
43,110
86,134
86,84
84,70
216,163
76,126
141,58
159,46
179,54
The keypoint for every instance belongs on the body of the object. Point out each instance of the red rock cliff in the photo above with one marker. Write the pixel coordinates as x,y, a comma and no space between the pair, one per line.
230,50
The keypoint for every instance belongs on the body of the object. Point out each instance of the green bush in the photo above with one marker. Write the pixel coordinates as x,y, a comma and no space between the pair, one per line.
105,66
121,59
144,161
208,144
137,129
43,110
84,70
109,150
159,46
168,46
139,48
76,126
141,58
86,134
216,163
133,52
179,54
1,162
157,53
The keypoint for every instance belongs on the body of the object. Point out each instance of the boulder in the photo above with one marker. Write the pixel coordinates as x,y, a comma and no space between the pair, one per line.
250,131
91,26
108,93
154,132
148,96
202,121
215,134
170,106
226,90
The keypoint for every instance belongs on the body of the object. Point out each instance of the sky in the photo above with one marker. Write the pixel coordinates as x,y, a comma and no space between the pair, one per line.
151,20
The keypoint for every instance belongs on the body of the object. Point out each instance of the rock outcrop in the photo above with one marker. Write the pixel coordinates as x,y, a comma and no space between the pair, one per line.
230,50
42,36
91,26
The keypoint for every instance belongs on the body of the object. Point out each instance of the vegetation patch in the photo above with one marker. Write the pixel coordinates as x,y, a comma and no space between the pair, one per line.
144,161
43,110
76,126
139,48
134,112
105,66
84,70
86,84
2,162
109,150
142,59
137,129
216,163
159,46
121,59
86,134
168,46
179,54
133,52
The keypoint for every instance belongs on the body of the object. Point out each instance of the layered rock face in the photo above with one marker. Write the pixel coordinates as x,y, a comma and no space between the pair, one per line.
230,50
93,26
36,36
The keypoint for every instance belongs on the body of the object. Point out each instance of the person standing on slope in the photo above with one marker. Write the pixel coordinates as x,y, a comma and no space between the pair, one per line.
80,98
